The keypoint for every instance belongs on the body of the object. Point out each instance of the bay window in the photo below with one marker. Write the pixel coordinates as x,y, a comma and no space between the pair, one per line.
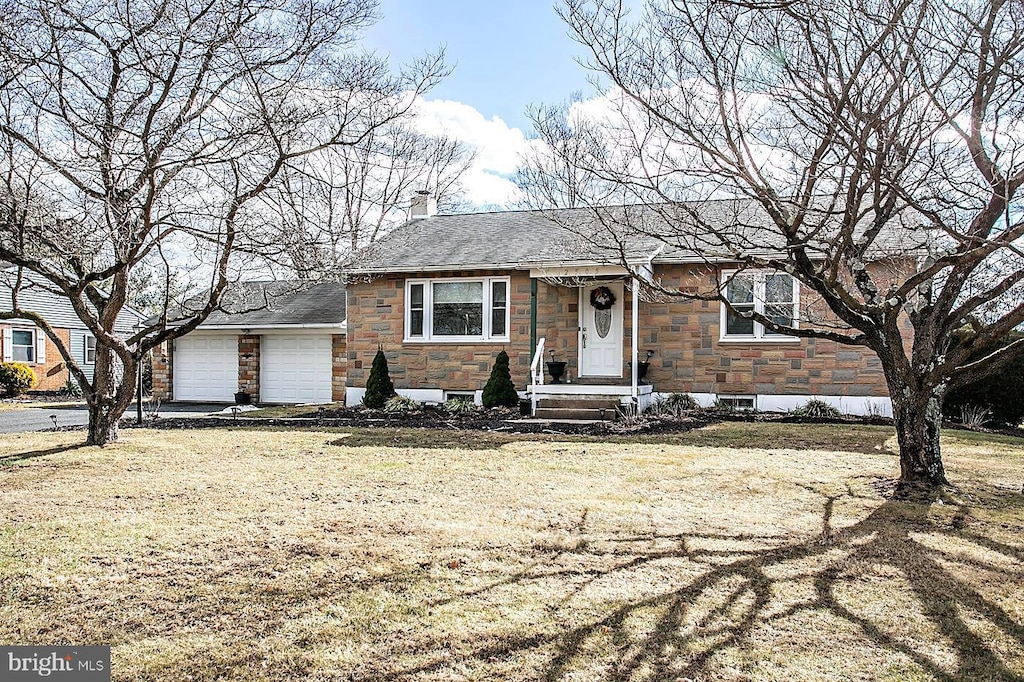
772,294
457,309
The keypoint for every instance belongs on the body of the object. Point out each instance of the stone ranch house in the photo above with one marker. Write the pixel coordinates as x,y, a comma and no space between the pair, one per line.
444,294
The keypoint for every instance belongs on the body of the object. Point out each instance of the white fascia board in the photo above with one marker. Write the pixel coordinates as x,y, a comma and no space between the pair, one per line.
437,268
272,328
578,271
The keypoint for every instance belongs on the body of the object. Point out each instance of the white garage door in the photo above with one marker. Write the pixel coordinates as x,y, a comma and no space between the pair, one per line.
206,367
295,369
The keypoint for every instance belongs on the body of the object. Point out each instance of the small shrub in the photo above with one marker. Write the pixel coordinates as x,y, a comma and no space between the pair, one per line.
974,415
499,390
817,409
674,405
379,387
70,389
628,417
151,409
723,405
459,406
16,378
400,403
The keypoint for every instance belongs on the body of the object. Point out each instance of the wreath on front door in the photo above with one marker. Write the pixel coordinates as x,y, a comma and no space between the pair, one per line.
602,298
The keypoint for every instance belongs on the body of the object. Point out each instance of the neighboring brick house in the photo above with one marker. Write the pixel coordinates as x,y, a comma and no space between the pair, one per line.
22,341
444,294
275,342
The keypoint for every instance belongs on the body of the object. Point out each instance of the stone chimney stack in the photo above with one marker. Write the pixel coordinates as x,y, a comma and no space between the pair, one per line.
424,205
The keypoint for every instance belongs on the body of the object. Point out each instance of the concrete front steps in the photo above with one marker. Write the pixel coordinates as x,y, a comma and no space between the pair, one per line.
588,408
581,402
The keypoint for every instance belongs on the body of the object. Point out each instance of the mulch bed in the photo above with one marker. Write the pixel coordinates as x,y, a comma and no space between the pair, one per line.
511,422
500,420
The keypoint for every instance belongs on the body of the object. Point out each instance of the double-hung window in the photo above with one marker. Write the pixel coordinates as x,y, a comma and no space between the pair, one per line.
23,345
772,294
90,350
457,309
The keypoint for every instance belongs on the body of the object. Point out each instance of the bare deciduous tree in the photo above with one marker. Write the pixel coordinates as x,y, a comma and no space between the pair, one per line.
134,135
875,151
337,202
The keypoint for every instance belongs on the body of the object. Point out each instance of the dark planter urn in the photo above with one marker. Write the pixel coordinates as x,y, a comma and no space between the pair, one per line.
556,370
641,371
242,398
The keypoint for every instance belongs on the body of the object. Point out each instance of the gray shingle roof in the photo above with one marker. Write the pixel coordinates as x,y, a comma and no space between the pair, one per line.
669,233
507,239
277,304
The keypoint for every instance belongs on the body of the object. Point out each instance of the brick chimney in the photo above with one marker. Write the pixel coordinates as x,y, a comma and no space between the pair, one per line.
424,205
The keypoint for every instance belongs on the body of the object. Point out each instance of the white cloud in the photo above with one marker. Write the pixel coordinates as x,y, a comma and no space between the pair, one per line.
498,147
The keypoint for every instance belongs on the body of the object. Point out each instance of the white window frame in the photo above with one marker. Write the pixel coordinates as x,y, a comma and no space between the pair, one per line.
89,353
759,335
428,310
34,346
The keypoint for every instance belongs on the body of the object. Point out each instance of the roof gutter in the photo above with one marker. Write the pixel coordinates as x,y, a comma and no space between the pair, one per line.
254,327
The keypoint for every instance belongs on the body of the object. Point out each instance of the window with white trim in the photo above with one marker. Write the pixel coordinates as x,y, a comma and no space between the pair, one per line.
90,350
461,309
23,345
773,294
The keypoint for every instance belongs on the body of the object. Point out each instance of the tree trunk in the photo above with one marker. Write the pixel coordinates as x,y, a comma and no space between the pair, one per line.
918,416
113,386
103,424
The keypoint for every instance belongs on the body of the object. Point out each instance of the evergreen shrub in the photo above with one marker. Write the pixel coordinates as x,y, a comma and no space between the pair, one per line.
379,387
499,390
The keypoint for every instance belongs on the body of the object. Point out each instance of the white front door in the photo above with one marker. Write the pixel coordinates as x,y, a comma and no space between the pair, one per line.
600,340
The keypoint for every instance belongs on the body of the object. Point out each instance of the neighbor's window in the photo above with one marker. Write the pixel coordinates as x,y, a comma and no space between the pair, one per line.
457,309
23,345
90,350
773,294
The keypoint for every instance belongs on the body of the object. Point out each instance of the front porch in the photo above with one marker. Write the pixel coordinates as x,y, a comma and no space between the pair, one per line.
586,359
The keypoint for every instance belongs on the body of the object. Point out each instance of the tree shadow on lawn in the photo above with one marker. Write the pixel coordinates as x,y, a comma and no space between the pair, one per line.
677,634
7,460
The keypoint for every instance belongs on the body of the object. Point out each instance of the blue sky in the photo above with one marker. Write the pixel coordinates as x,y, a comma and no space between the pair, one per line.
507,55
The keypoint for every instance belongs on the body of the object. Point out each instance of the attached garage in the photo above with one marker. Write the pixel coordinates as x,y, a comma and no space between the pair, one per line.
274,342
295,368
206,367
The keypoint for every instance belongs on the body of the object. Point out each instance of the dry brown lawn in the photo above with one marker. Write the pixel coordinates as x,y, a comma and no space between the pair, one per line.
744,552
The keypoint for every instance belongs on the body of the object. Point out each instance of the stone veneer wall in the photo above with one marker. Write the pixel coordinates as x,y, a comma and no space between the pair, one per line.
339,362
684,335
376,316
249,365
163,373
689,357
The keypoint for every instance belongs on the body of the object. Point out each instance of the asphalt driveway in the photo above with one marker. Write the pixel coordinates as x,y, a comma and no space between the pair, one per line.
41,418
